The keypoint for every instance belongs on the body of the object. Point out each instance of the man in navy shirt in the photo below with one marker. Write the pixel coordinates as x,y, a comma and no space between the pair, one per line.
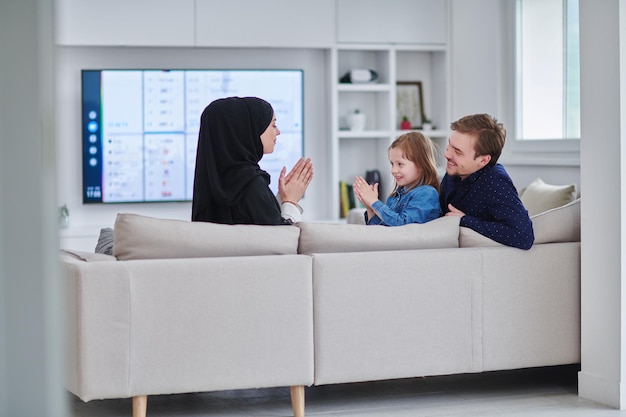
478,189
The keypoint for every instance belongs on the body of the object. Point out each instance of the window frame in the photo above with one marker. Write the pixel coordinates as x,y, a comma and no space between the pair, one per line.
552,152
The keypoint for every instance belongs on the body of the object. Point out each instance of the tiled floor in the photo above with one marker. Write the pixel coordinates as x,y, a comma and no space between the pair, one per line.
541,392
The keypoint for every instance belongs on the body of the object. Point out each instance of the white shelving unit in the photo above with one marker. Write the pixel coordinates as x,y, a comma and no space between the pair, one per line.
355,152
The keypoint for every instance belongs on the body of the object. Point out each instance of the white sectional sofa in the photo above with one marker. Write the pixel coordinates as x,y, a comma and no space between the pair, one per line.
191,307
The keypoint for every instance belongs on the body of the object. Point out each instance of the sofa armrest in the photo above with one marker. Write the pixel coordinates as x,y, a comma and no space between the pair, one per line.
165,326
67,255
97,298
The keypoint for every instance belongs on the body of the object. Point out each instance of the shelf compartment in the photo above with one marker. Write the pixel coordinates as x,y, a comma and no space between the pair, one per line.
376,60
430,68
375,106
360,155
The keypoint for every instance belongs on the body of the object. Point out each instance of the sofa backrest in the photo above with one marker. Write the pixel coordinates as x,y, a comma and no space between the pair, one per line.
561,224
333,237
142,237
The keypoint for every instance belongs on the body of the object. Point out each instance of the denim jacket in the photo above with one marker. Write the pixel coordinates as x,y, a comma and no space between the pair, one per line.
418,205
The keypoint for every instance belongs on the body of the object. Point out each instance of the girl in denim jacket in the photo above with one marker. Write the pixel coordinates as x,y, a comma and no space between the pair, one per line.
415,197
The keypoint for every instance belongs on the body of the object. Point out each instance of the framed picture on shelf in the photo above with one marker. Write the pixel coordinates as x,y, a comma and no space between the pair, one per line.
409,103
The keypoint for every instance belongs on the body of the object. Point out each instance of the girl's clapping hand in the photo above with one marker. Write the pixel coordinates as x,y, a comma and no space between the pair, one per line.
364,192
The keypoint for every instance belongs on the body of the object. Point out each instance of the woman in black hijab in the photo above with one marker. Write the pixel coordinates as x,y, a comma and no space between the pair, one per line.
229,186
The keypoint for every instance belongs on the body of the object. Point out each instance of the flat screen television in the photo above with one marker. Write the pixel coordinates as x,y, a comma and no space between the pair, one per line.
140,127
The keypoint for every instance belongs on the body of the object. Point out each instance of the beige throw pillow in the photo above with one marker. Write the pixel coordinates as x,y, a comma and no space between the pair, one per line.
539,196
333,237
142,237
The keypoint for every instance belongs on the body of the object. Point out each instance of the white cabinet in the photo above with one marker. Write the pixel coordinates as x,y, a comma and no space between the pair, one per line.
275,23
212,23
249,23
353,152
392,21
125,23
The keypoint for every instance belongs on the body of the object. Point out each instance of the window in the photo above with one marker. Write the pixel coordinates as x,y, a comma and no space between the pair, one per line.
547,81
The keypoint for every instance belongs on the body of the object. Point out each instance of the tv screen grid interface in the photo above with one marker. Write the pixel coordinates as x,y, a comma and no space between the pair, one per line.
140,127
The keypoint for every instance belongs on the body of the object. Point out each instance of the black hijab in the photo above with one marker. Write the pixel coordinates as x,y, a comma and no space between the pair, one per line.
228,155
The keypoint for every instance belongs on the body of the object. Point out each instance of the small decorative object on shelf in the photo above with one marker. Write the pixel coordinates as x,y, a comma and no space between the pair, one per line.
410,102
427,124
356,120
359,76
64,217
405,124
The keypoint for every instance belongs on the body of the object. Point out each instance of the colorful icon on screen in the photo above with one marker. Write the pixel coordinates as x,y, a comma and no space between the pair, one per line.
92,127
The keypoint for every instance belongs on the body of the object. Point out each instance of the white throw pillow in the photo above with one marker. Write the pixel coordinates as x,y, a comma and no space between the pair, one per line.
142,237
539,196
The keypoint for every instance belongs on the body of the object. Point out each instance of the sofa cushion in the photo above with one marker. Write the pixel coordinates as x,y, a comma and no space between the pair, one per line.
539,196
340,237
356,216
142,237
469,238
561,224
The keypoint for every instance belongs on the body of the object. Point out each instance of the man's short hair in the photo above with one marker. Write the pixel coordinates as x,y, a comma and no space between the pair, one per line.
490,134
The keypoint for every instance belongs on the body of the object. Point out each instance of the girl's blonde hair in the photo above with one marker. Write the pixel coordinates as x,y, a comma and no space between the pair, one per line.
420,150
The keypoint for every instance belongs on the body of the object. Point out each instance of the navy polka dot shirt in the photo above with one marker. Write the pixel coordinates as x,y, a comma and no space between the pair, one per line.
491,205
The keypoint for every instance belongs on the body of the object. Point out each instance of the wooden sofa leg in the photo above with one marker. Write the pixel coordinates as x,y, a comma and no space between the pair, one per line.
297,400
140,405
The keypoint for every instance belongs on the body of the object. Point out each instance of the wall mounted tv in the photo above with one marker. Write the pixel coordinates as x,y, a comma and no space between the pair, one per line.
140,127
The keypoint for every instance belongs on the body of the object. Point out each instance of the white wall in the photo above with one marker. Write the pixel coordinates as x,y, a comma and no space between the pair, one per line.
481,80
71,60
603,166
476,58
